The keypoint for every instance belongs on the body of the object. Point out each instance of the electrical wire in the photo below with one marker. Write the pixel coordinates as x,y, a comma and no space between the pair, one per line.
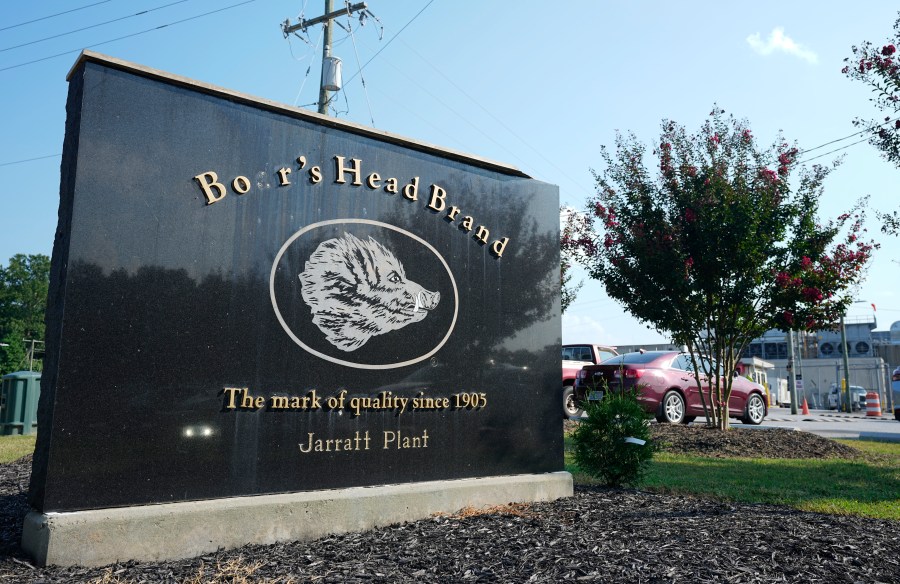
495,118
92,26
308,68
387,44
53,15
127,36
30,159
363,79
804,161
850,136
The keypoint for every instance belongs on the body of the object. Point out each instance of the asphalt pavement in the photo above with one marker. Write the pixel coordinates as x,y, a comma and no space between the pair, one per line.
831,424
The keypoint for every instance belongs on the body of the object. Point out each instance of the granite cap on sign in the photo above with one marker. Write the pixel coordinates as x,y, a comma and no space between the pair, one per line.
297,112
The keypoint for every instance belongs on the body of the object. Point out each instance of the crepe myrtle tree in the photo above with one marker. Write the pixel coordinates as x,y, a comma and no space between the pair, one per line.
572,226
717,243
878,67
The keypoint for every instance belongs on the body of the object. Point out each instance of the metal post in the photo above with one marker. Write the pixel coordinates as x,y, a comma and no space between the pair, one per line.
800,334
792,385
845,391
326,20
326,54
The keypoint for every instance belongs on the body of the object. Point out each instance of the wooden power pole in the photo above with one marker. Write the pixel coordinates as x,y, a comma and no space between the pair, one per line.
326,20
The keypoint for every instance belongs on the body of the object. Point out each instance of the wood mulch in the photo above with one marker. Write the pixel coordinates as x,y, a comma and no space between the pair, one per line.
599,535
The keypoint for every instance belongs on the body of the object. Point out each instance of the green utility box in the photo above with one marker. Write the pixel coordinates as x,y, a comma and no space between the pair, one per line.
18,402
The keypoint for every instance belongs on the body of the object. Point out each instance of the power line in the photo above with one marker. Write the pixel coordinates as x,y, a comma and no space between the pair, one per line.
835,150
498,120
56,36
127,36
359,72
53,15
29,159
850,136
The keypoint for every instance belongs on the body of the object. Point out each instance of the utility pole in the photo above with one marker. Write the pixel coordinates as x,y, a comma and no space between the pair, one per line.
801,346
845,390
792,384
326,20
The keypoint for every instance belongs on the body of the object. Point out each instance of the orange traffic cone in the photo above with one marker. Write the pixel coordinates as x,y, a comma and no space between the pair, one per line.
805,410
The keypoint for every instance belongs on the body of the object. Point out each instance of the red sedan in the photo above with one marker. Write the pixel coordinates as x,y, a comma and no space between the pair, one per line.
667,387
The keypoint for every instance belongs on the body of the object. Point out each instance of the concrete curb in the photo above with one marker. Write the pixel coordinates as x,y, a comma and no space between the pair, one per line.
184,530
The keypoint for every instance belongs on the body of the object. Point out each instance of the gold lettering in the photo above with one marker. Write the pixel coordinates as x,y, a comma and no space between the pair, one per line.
282,176
391,186
482,235
301,160
207,182
452,213
278,402
355,170
231,391
309,445
411,191
438,198
467,224
373,180
399,441
343,444
499,246
241,185
315,175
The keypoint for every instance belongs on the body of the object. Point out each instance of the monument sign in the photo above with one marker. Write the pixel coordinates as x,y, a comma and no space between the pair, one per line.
255,305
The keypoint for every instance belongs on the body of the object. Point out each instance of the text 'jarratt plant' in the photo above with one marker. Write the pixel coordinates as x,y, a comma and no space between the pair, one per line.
719,241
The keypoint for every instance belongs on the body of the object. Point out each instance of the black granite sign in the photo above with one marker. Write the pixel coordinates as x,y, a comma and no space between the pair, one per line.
247,298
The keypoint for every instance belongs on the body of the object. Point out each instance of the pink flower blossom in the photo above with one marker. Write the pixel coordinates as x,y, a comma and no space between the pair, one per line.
788,317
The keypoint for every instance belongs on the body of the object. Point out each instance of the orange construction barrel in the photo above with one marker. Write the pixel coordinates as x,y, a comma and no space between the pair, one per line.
873,404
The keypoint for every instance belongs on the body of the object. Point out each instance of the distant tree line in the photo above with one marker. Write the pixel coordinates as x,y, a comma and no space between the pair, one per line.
23,298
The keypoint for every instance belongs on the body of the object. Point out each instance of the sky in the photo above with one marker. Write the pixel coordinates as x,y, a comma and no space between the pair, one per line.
537,85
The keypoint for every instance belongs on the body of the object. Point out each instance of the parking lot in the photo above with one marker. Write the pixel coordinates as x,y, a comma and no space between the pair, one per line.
832,424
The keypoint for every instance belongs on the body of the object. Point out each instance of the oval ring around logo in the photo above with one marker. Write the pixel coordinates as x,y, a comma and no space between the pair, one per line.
355,289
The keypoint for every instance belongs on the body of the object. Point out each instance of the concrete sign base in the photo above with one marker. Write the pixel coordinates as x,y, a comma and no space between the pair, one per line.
188,529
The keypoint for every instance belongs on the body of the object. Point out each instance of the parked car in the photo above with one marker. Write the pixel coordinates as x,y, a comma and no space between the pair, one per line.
667,387
857,398
574,357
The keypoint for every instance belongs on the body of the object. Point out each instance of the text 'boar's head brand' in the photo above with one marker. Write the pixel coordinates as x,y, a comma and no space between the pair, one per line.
358,289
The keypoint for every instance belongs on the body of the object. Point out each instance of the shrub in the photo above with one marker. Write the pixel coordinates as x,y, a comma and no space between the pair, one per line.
601,449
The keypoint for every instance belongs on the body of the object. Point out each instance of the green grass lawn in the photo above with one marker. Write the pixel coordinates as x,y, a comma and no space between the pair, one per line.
15,447
868,485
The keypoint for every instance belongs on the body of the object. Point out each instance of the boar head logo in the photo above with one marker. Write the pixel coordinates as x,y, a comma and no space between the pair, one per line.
358,289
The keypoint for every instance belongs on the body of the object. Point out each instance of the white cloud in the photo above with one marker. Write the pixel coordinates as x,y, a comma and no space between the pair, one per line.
583,329
780,42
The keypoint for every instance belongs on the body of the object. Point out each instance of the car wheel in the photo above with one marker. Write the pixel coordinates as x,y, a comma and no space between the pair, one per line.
570,406
897,415
754,411
671,409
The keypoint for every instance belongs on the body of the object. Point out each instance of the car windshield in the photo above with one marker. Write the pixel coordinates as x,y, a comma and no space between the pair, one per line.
634,358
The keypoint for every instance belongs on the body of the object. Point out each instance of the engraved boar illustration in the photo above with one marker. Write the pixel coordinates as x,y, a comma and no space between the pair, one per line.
358,289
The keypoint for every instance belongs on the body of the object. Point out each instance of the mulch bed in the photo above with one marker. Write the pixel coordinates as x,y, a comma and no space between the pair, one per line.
599,535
